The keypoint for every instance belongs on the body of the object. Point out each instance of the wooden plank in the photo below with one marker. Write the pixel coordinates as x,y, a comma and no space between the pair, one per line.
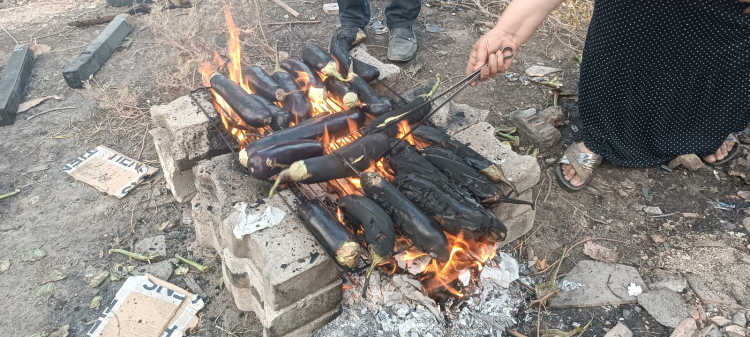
705,294
287,8
13,83
93,57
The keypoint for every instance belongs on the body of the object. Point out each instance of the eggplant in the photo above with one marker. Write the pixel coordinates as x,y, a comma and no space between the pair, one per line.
377,224
280,118
409,113
360,154
336,124
268,161
453,216
342,93
297,101
489,169
262,84
252,112
307,79
374,104
321,61
341,43
424,233
338,241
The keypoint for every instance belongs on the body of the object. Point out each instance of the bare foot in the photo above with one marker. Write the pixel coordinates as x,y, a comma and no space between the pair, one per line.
570,173
721,153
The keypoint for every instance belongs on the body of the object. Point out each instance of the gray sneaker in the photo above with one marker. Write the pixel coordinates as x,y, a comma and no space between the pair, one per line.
402,45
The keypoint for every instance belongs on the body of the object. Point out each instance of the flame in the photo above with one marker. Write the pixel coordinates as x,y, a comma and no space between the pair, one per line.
235,49
303,80
465,255
339,215
355,182
218,60
403,129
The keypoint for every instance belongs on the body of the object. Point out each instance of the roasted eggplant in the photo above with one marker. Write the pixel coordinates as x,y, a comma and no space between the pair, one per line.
411,113
360,154
280,118
252,112
341,43
336,124
424,233
338,241
321,61
261,83
342,93
489,169
374,104
296,101
268,161
453,216
377,224
307,79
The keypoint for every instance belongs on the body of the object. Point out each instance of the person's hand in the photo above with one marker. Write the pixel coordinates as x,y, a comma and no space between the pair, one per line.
488,50
747,9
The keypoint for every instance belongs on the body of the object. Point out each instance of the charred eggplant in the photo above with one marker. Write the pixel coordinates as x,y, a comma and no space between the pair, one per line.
262,84
248,108
374,104
307,79
321,61
268,161
377,224
296,101
389,121
338,241
424,233
341,43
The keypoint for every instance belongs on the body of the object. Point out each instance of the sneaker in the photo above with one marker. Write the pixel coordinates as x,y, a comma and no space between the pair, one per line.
402,45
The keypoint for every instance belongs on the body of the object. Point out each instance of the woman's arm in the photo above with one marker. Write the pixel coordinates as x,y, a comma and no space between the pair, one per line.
514,27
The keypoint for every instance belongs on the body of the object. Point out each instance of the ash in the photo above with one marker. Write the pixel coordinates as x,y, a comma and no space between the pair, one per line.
397,305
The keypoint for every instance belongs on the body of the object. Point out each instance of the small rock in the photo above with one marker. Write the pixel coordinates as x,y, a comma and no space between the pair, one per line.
657,239
672,282
161,270
627,314
331,8
627,183
746,224
720,320
620,330
688,161
653,210
690,215
686,328
152,245
744,195
550,161
539,71
553,115
637,207
665,306
622,193
735,331
728,226
739,319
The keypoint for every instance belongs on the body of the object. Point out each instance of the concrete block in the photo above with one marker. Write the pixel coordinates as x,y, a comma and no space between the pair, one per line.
96,53
180,182
13,83
665,306
506,212
323,299
523,171
454,117
518,226
156,245
204,223
601,284
161,270
534,128
331,8
192,138
386,70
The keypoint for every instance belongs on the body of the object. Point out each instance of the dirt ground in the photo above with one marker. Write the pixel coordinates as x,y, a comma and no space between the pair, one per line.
77,225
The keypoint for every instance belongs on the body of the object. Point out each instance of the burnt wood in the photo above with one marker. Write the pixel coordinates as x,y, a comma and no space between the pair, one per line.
98,51
13,83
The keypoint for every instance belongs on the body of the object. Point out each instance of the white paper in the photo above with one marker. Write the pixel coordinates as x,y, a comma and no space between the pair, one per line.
634,289
255,221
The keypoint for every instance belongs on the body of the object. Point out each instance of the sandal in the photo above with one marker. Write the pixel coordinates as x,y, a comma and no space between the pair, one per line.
584,166
731,155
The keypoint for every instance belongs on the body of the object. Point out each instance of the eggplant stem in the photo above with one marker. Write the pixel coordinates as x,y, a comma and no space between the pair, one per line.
201,268
283,174
8,195
278,62
135,256
280,96
435,87
376,260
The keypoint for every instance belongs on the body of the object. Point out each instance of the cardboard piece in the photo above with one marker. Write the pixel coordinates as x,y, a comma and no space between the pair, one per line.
148,306
109,171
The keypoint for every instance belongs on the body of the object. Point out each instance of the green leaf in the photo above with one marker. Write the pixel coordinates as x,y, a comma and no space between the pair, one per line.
98,279
54,276
45,290
35,254
96,302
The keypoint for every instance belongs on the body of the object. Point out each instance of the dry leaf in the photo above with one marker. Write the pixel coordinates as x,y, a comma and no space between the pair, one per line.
600,253
4,265
540,264
39,49
95,302
34,102
658,239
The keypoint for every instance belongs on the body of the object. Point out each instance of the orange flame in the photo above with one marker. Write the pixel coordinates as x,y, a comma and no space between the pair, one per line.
403,129
465,255
340,215
235,49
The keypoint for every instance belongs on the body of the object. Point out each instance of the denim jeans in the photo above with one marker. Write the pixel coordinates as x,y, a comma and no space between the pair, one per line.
398,13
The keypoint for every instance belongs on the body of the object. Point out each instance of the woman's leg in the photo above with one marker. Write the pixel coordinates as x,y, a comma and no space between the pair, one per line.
721,153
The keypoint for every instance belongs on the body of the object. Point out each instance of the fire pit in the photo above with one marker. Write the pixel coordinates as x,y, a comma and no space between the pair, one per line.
292,279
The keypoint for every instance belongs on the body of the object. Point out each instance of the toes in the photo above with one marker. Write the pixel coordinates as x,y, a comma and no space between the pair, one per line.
576,181
722,153
710,159
730,146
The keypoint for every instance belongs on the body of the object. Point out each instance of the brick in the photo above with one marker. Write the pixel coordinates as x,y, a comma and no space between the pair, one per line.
519,226
386,70
180,183
98,51
320,302
13,83
331,8
193,138
534,128
523,171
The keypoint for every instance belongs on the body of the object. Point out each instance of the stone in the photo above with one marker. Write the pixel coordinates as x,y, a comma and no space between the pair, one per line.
161,270
553,115
523,171
539,71
672,282
620,330
686,328
13,83
533,128
736,331
653,210
657,239
720,321
153,245
665,306
601,284
180,183
507,211
454,117
202,210
746,224
688,161
331,8
386,70
739,319
518,226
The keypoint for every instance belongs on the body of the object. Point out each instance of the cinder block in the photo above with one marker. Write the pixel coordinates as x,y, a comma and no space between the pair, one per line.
386,70
519,226
96,53
316,307
523,171
534,128
13,83
506,211
204,223
455,117
181,183
193,138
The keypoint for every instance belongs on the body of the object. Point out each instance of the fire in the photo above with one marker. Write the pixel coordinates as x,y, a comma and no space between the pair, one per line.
235,49
403,129
340,215
355,182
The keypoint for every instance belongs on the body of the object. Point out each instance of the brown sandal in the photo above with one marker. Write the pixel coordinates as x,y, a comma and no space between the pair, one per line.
584,165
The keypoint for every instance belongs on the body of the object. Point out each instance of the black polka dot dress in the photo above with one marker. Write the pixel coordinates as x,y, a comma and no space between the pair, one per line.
661,78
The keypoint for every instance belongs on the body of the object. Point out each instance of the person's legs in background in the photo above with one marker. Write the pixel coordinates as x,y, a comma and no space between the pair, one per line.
354,13
400,15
